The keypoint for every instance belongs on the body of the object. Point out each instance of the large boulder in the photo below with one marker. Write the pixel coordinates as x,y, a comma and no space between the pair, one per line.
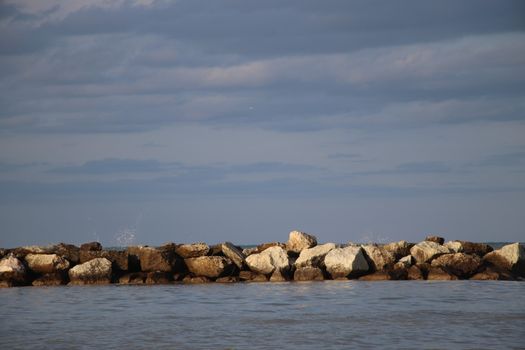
426,251
314,256
466,247
233,253
348,261
208,266
297,241
308,273
68,251
12,271
438,274
192,250
119,258
435,239
510,257
379,258
21,252
154,259
250,276
96,271
269,260
460,264
46,263
415,273
398,249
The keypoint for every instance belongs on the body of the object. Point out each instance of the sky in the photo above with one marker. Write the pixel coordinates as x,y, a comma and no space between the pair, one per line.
151,121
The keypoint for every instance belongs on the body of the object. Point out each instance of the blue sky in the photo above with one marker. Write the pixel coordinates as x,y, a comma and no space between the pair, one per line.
242,120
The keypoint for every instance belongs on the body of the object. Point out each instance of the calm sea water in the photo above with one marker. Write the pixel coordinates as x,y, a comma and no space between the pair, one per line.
317,315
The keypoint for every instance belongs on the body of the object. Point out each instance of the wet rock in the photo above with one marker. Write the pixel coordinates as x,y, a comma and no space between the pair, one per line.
233,253
46,263
209,266
119,258
51,279
196,280
308,273
193,250
414,273
438,274
348,261
510,257
398,249
269,260
297,241
158,277
133,278
379,258
67,251
314,256
12,271
93,246
227,279
492,274
435,239
376,276
96,271
251,276
459,264
426,251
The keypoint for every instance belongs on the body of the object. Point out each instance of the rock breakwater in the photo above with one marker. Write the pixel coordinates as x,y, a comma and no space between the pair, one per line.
301,258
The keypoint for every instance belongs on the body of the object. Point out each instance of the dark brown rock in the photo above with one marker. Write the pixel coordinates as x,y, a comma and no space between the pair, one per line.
233,253
251,276
460,264
279,276
262,247
68,251
492,274
376,276
119,258
308,273
158,277
479,249
51,279
196,280
414,273
438,274
193,250
227,279
133,278
93,246
435,239
152,259
209,266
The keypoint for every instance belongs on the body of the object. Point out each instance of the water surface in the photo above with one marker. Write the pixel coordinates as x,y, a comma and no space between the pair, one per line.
328,315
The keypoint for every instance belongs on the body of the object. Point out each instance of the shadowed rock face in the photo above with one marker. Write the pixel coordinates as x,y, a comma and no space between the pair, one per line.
479,249
93,246
426,251
379,258
120,259
233,253
154,259
398,249
96,271
298,241
208,266
438,274
343,262
46,263
51,279
459,264
435,239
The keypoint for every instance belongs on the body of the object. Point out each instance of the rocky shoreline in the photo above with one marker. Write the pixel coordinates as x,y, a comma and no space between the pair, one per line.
301,258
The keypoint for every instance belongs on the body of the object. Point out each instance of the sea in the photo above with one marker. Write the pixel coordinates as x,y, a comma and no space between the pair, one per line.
290,315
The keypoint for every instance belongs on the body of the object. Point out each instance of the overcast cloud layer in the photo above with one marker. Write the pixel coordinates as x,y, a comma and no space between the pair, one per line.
241,120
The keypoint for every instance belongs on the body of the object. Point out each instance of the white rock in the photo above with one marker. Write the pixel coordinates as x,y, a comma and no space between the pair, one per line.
341,262
94,271
426,251
297,241
269,260
406,261
454,246
510,257
314,256
12,269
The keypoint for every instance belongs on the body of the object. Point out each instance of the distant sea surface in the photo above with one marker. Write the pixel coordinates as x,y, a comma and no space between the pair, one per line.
295,315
